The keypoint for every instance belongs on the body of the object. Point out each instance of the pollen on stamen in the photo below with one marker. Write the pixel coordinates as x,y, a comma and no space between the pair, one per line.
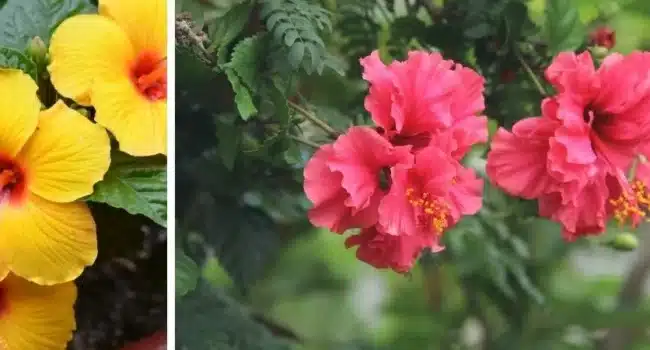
632,206
149,74
435,209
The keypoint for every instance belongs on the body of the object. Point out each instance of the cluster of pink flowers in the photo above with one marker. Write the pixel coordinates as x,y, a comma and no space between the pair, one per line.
576,157
401,183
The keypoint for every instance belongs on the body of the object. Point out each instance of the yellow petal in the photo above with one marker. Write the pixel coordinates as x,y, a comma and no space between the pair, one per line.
36,317
47,242
4,271
85,49
138,124
145,21
67,155
19,106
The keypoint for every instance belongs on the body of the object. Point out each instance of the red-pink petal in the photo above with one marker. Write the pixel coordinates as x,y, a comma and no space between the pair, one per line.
517,161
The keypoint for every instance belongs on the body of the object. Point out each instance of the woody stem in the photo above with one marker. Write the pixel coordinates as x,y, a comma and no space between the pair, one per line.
314,119
531,74
304,141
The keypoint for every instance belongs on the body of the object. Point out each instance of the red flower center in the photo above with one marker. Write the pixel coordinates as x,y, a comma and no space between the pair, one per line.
13,184
595,119
433,211
149,75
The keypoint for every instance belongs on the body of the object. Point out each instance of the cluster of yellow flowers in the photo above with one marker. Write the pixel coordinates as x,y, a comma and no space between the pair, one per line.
114,61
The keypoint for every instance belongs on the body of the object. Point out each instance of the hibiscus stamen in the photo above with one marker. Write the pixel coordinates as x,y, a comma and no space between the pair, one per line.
632,205
159,73
12,182
434,209
149,75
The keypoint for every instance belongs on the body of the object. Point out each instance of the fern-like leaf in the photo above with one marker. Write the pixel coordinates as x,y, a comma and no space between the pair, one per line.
242,71
294,26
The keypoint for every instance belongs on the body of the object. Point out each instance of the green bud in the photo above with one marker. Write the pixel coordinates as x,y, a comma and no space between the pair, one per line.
599,52
624,241
37,50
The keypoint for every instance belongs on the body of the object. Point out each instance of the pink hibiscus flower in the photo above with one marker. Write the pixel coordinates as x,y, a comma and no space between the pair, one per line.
342,179
414,100
429,196
382,250
572,158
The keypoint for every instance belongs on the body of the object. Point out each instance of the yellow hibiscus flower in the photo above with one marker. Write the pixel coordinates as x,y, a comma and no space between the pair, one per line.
48,160
34,317
116,61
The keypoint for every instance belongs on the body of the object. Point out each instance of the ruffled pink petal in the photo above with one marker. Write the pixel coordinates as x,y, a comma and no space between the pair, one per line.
517,161
396,215
434,173
466,133
571,156
574,74
422,99
320,182
466,195
415,99
587,215
623,103
387,251
469,99
379,101
360,154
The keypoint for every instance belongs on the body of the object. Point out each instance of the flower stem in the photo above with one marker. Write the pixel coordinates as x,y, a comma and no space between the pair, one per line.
531,74
314,119
304,141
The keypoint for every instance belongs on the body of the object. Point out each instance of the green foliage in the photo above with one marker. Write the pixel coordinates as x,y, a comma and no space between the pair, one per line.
10,58
242,70
564,30
209,320
243,238
21,20
187,274
137,185
228,27
295,24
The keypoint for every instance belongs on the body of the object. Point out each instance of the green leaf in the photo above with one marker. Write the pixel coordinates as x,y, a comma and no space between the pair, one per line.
244,239
279,100
207,319
245,61
187,273
226,28
10,58
290,37
296,25
21,20
478,30
137,185
229,138
564,30
243,97
296,53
